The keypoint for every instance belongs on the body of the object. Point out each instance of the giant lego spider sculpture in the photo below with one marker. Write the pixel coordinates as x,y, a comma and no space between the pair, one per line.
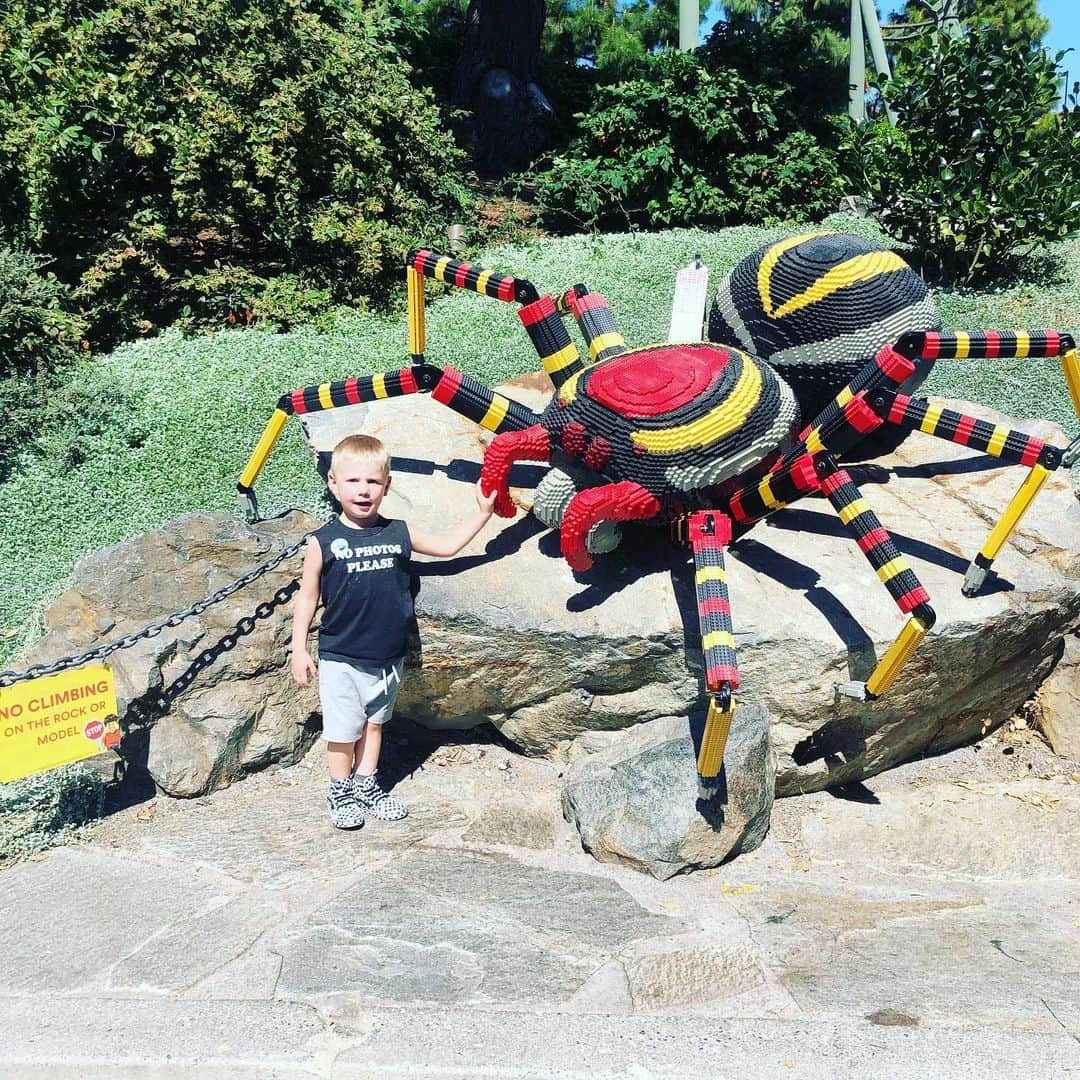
706,438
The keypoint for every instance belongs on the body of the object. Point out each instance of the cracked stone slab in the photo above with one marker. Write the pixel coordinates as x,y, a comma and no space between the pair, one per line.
462,928
72,919
513,819
691,970
195,947
253,976
996,969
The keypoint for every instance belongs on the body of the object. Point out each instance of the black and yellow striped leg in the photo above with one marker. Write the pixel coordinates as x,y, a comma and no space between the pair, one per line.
892,570
889,368
1008,445
1000,344
1021,344
709,533
448,386
558,354
476,279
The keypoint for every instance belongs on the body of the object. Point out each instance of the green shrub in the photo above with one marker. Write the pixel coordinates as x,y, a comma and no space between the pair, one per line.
291,300
799,178
39,342
684,144
154,142
234,296
48,809
978,167
37,332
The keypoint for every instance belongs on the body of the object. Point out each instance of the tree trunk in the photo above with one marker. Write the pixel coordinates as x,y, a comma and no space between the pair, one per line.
496,79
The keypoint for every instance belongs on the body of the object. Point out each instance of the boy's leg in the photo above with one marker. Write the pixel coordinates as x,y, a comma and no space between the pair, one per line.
340,709
339,759
366,788
345,811
368,749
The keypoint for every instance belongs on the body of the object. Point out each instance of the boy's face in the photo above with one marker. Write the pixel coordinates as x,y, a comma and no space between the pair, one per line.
359,486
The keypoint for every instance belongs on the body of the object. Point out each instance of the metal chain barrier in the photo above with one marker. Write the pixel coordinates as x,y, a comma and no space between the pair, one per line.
10,678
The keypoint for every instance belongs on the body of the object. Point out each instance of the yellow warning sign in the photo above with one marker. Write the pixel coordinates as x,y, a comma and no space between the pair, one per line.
59,718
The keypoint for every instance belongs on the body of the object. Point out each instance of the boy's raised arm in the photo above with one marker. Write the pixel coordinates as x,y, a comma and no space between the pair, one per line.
453,540
307,600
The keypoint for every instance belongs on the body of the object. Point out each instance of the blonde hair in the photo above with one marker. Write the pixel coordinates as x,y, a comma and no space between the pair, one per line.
364,448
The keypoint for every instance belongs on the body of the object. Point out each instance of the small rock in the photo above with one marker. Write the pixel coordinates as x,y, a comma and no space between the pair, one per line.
637,801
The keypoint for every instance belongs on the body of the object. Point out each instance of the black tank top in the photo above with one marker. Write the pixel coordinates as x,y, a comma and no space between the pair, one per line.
367,603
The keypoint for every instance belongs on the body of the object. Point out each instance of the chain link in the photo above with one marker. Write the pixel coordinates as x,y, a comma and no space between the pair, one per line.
10,678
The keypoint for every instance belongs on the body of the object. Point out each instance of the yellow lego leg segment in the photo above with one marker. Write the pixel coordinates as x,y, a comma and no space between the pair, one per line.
256,461
417,337
1010,518
714,738
1070,365
898,654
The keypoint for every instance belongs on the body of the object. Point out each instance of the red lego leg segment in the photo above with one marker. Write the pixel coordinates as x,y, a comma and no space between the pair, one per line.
624,501
532,444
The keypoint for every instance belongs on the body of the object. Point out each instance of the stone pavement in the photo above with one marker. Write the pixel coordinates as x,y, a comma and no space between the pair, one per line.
924,925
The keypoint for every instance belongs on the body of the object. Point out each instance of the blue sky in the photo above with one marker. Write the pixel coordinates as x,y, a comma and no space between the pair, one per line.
1064,16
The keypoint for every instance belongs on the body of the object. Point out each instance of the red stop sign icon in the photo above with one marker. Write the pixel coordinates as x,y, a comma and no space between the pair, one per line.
94,730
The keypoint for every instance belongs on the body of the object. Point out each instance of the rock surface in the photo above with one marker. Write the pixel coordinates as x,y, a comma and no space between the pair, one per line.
513,637
1058,712
636,801
208,700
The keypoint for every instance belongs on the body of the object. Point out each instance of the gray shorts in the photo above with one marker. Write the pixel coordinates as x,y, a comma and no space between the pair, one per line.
352,698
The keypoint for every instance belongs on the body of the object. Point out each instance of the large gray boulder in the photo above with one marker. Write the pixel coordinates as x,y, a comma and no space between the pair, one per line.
512,637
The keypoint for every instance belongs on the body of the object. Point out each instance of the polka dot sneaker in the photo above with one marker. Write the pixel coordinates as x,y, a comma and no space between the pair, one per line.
345,811
374,800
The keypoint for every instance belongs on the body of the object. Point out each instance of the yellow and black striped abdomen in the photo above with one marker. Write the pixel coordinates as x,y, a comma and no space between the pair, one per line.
818,307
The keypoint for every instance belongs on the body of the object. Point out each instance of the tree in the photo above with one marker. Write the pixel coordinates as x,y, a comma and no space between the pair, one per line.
799,47
496,78
1018,20
585,44
610,37
169,154
978,167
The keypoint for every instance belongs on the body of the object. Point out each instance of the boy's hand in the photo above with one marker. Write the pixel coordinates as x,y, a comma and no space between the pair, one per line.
303,668
485,502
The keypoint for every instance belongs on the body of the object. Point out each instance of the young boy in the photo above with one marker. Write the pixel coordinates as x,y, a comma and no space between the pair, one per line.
358,566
